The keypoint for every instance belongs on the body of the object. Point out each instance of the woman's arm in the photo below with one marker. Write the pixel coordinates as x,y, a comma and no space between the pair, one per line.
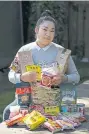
15,72
71,76
18,77
14,77
72,73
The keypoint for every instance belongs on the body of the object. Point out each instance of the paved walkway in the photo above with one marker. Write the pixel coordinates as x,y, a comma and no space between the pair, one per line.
83,97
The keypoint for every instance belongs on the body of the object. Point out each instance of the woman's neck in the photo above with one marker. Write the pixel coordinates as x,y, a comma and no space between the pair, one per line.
40,44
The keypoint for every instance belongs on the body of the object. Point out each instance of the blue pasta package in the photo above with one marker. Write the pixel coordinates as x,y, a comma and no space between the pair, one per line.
68,93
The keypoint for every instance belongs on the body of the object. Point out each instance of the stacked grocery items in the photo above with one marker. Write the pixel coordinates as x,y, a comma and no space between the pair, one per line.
42,92
34,119
43,105
69,99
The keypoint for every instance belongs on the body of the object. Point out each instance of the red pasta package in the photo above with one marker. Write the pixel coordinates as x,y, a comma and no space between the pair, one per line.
52,126
14,120
48,72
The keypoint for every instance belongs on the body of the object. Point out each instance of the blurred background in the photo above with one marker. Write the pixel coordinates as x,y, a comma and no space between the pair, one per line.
17,23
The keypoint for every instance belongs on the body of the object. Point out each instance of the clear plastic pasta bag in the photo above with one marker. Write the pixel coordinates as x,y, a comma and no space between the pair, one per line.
43,92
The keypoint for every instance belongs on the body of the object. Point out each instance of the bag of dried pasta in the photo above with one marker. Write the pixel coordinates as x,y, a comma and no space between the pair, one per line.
34,120
43,93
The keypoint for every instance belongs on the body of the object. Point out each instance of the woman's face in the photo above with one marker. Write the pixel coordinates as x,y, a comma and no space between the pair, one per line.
45,33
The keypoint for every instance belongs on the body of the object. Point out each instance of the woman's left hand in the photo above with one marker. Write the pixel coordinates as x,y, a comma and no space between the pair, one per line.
58,79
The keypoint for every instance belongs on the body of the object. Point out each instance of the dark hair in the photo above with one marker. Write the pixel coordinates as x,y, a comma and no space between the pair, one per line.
45,16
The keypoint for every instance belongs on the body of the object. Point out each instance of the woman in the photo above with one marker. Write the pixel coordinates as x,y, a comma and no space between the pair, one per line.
44,51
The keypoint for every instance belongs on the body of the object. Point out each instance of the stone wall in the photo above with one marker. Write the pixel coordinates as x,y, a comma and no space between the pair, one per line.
10,37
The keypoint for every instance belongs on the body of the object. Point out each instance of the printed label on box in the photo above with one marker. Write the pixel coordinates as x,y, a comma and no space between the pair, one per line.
35,68
52,110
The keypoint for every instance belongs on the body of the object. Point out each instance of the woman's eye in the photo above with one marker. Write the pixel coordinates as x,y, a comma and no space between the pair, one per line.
52,31
49,31
45,29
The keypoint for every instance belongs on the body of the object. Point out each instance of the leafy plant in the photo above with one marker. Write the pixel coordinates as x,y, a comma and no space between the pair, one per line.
79,51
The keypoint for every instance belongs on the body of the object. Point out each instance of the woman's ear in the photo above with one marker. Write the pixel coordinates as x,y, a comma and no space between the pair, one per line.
36,29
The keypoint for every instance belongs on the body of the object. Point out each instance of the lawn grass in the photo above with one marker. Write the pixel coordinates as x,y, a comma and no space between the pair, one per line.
83,69
6,97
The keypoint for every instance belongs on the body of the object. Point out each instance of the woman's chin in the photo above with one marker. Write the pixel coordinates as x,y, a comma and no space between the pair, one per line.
46,43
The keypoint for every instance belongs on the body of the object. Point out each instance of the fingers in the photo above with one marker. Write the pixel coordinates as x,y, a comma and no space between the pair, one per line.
32,77
56,80
29,77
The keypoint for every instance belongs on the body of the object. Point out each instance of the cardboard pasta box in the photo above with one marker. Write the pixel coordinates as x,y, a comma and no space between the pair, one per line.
62,59
25,58
68,93
27,65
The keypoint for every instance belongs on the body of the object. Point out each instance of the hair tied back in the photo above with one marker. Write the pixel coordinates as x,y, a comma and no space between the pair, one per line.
46,13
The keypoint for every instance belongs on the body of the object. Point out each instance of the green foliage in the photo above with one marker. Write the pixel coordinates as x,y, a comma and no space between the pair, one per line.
61,13
79,51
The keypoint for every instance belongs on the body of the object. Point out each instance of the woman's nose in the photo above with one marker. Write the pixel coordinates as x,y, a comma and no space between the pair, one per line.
48,34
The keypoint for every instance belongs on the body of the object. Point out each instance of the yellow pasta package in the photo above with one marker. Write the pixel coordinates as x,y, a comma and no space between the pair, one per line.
34,120
52,110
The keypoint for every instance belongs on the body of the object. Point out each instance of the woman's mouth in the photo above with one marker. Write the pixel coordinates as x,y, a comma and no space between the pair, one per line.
47,38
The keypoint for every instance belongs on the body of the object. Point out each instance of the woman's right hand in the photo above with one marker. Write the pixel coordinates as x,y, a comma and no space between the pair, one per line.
28,77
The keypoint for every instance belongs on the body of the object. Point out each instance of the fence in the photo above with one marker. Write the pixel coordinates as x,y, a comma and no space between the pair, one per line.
78,31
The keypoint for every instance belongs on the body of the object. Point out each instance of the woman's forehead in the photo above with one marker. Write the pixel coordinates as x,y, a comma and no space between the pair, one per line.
48,24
